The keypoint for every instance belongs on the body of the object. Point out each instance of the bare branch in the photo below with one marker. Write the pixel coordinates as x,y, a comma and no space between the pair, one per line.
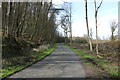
100,5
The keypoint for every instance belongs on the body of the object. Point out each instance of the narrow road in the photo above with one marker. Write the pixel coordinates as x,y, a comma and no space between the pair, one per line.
61,63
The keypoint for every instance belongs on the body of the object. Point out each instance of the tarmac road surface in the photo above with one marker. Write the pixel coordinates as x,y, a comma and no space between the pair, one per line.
62,63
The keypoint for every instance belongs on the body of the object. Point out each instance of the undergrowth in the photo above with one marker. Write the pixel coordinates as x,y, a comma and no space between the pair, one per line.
16,63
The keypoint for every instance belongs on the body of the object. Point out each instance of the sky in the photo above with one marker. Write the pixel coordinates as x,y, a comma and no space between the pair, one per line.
107,12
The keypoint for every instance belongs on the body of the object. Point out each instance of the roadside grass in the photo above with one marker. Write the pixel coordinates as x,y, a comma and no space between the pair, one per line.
36,56
108,67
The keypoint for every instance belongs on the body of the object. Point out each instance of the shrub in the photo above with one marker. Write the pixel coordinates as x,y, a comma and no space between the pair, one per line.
12,47
41,48
80,40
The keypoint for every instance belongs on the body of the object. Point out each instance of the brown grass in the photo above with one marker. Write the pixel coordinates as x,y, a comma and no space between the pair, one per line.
107,49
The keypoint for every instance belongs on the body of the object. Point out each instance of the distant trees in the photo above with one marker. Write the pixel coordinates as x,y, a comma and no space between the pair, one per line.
81,40
66,22
29,20
65,26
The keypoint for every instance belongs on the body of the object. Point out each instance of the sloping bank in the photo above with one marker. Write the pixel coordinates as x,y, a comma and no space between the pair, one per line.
104,65
17,62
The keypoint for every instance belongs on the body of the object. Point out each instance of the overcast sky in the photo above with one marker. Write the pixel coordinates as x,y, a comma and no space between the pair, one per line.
107,13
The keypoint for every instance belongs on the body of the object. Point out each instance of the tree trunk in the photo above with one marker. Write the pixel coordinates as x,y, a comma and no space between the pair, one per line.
90,43
96,32
70,25
96,12
10,21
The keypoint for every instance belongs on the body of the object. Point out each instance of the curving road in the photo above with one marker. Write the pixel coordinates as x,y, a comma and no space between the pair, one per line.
61,63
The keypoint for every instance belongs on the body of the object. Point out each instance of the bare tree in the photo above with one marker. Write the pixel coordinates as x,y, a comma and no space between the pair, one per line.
29,20
96,21
65,26
88,31
113,26
68,12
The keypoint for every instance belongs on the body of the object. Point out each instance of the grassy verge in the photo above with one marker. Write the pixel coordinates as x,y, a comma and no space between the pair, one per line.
35,57
109,68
